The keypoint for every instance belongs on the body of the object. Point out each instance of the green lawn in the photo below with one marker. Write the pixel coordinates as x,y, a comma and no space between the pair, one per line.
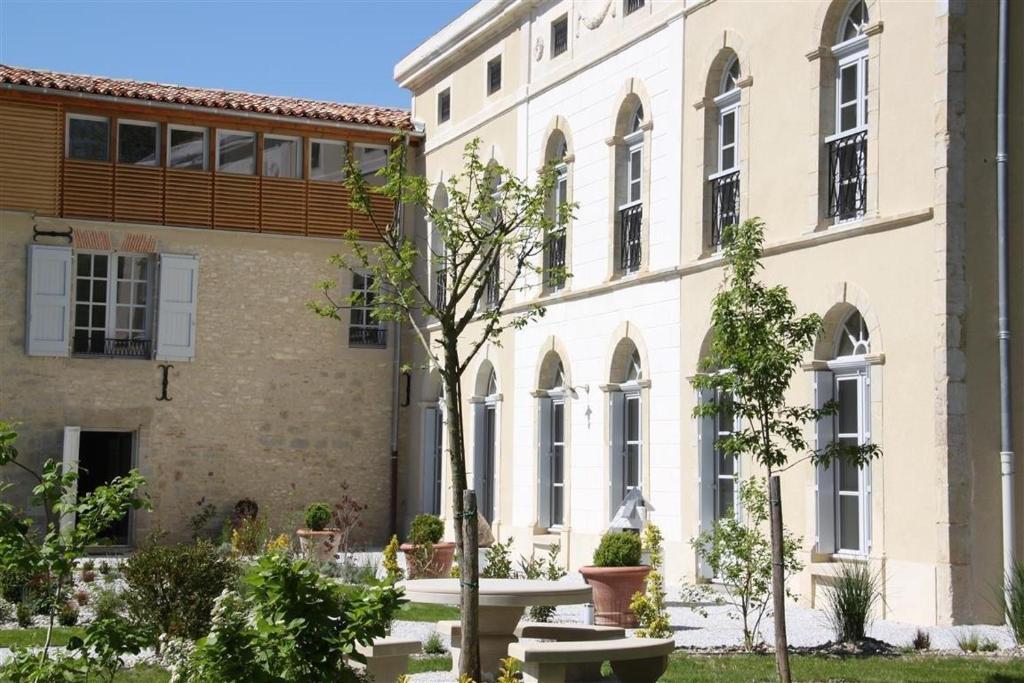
421,665
418,611
35,637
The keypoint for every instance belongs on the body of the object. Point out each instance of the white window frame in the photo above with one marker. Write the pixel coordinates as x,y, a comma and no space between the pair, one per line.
847,369
325,141
557,401
719,476
206,145
631,391
67,135
298,145
729,103
634,145
368,322
853,51
155,125
369,145
255,151
111,304
487,499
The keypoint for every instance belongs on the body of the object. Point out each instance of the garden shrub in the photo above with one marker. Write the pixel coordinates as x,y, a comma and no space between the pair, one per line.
542,568
12,582
426,530
434,646
498,561
287,623
317,516
68,615
6,610
172,587
389,559
107,604
649,605
921,641
23,614
250,536
618,549
848,602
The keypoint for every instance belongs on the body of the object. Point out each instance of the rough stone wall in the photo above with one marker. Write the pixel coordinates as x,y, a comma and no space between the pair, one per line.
275,406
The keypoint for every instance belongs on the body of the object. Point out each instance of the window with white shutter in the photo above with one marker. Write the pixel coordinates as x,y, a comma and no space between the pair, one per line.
176,311
49,299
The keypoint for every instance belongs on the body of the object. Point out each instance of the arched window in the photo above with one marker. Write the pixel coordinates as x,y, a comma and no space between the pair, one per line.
486,440
551,411
844,489
626,420
555,254
438,251
630,189
492,283
724,178
847,146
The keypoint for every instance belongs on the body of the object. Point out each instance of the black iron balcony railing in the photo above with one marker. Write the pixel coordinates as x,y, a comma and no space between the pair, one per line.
554,262
725,204
440,288
493,285
367,336
89,345
632,6
630,221
848,176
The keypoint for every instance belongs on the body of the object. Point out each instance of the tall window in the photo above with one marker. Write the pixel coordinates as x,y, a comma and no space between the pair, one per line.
486,446
627,442
555,246
113,303
551,463
844,489
847,147
364,329
438,253
492,283
444,105
494,75
631,199
726,464
433,454
725,180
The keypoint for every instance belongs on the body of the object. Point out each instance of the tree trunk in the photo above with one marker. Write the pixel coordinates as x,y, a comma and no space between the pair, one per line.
778,580
465,543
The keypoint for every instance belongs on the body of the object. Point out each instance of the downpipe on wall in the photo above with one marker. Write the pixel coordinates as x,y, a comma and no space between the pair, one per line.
1006,456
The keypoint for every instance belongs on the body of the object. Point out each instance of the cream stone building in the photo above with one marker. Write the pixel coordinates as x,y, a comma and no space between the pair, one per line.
158,245
863,133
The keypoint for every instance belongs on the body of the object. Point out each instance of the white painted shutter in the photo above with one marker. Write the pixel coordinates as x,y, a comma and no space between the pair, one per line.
72,437
176,315
544,462
479,451
825,498
48,323
705,474
616,448
429,456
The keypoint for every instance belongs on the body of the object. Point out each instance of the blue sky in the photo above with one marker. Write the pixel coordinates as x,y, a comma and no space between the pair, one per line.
343,50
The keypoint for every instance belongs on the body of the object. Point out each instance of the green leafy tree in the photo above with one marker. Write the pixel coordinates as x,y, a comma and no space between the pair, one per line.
760,338
492,235
51,553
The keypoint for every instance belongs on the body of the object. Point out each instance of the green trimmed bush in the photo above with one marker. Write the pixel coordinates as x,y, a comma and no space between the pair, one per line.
318,516
618,549
426,529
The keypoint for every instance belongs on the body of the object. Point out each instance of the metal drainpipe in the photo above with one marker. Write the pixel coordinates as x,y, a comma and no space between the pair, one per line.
396,376
1005,407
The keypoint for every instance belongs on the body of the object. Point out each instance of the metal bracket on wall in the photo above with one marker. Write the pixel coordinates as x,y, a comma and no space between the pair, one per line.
37,233
163,383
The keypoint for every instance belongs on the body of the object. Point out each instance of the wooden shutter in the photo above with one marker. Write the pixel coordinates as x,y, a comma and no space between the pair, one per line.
176,315
544,462
705,474
72,437
616,448
428,504
48,323
825,490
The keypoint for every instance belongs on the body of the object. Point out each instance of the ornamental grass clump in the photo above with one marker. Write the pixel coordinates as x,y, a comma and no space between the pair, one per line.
1014,602
849,602
618,549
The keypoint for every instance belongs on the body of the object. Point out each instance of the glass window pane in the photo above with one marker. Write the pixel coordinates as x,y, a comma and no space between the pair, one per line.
82,315
99,265
84,264
137,144
82,290
726,464
282,157
726,497
140,293
848,84
187,149
138,318
632,419
848,413
728,158
848,117
140,271
327,161
99,315
88,139
635,164
236,153
370,160
124,317
632,473
124,292
849,523
849,476
729,128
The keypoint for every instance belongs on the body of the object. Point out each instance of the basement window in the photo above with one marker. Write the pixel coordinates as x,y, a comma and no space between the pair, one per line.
88,137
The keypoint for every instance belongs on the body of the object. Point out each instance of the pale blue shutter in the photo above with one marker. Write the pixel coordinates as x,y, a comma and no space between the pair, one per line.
48,321
176,314
479,451
616,448
825,498
429,457
706,473
544,462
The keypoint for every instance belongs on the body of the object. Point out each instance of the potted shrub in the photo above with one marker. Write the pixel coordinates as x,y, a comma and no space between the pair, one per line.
616,576
317,541
426,557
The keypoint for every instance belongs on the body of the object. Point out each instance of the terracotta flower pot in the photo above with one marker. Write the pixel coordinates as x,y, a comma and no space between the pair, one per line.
438,566
321,546
614,588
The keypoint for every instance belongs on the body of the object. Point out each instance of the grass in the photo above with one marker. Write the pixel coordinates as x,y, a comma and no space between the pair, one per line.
35,637
419,665
418,611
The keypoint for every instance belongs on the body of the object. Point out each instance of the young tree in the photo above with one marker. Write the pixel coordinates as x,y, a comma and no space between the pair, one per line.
491,236
761,340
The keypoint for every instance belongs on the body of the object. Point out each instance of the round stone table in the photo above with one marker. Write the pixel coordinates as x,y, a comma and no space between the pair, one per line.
502,603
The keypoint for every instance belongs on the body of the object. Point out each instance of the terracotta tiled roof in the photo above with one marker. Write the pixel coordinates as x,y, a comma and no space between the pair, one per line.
206,97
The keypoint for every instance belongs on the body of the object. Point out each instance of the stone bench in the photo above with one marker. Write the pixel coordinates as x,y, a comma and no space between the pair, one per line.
585,671
634,660
388,658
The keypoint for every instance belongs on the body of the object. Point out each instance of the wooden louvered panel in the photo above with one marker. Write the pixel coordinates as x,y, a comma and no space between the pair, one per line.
236,202
283,205
88,189
383,213
138,193
30,150
188,198
329,212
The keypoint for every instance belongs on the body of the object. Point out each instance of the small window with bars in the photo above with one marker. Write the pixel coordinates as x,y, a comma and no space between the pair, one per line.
494,75
444,105
559,35
630,6
364,329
